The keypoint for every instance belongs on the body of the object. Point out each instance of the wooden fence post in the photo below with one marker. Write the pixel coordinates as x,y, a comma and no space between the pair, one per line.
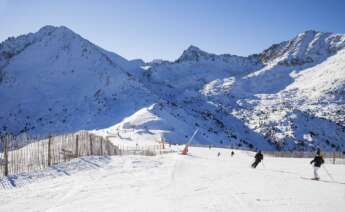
5,141
101,146
49,150
77,146
91,153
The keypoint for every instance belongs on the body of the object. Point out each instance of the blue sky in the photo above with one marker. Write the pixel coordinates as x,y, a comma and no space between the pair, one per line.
151,29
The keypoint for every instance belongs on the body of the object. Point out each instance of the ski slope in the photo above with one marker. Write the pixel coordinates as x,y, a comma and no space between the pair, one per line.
198,182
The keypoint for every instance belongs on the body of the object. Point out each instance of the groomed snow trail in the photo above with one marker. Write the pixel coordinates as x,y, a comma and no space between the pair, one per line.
198,182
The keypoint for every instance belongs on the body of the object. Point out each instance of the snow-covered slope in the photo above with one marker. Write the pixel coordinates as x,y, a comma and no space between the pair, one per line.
290,96
175,124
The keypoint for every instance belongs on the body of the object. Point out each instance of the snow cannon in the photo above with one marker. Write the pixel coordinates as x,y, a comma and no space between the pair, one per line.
185,150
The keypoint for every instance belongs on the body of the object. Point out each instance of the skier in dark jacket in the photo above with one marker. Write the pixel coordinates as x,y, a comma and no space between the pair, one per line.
258,158
317,161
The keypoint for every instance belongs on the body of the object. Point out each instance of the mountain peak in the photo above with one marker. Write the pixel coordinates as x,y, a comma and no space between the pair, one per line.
193,48
15,45
310,31
193,53
48,29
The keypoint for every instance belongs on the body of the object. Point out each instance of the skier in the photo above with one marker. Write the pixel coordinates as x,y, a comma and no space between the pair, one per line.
258,158
317,161
218,154
232,153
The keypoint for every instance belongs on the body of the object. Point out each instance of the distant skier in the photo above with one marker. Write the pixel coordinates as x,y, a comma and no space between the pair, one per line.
218,154
317,161
258,158
232,153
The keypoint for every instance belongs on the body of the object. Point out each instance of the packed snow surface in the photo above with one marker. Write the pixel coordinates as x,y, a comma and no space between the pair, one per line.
197,182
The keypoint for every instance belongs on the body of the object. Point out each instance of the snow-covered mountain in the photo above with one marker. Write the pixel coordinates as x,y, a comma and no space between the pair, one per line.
290,96
293,104
56,81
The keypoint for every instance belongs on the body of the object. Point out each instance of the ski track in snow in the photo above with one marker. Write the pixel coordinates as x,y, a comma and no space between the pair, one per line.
200,181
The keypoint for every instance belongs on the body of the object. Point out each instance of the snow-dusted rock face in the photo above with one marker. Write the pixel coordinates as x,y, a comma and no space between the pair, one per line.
290,96
307,47
194,54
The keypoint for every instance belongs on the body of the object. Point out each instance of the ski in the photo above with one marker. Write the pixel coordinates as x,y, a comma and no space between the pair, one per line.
324,181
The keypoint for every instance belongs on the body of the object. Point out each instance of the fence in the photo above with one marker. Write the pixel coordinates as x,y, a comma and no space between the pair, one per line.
26,154
330,157
223,146
147,150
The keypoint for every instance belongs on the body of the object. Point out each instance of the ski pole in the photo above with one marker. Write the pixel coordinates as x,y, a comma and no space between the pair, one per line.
329,175
251,164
